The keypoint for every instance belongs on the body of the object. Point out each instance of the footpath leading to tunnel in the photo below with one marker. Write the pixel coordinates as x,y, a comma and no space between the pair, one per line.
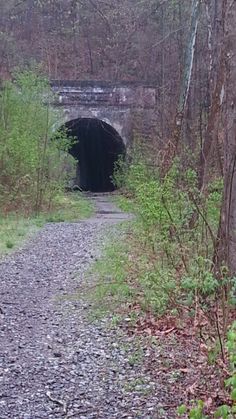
54,362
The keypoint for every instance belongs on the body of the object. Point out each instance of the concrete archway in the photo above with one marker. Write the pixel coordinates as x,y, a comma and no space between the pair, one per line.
97,146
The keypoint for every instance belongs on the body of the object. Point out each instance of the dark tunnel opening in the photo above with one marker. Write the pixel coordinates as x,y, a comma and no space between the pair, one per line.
96,146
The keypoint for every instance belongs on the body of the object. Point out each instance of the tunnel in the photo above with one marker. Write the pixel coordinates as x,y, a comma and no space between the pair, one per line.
96,146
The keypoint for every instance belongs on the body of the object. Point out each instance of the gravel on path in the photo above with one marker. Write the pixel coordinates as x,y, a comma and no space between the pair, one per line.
54,362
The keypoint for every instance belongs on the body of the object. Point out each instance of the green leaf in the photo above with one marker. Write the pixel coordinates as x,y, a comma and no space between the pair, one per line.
222,412
233,394
182,409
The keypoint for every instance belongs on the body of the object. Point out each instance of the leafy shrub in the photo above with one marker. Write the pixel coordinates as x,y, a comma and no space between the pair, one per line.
32,163
176,227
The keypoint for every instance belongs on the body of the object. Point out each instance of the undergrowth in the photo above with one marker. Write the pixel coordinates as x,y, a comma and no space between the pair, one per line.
164,263
112,289
173,239
35,164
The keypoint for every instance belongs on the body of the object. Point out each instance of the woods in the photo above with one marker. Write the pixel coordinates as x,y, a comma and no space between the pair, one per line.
178,260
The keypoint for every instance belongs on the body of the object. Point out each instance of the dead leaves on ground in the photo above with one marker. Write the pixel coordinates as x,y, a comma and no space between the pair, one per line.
177,354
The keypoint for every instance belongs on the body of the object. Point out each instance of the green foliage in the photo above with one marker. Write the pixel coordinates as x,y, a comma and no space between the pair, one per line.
199,281
130,175
112,289
158,288
69,207
223,412
13,230
32,163
196,412
170,253
181,410
124,203
9,244
231,347
176,227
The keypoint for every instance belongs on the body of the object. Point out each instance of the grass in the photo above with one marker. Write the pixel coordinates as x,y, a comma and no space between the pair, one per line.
112,291
71,208
127,276
15,228
124,203
136,357
138,385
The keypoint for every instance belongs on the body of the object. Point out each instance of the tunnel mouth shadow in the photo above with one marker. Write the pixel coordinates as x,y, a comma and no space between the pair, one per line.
96,146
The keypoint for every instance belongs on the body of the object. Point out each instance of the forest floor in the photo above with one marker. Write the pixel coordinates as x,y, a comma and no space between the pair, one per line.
57,362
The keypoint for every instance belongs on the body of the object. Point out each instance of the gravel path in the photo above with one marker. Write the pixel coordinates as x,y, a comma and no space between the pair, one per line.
54,362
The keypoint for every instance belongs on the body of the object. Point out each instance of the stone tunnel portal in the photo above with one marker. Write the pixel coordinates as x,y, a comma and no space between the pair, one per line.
96,146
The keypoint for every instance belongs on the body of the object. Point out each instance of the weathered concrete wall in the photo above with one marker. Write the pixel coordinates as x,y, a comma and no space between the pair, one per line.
118,119
130,108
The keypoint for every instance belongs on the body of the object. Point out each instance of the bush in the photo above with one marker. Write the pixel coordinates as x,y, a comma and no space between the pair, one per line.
32,162
176,227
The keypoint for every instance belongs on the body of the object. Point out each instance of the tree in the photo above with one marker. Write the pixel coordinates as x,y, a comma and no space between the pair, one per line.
184,86
31,163
225,253
216,48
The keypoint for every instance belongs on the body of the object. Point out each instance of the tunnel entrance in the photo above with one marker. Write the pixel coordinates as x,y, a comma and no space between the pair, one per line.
96,146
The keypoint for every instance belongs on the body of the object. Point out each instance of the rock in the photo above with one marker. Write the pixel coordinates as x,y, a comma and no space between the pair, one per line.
86,375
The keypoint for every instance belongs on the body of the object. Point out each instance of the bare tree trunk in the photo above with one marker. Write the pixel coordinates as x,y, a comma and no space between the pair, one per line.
216,82
225,253
171,150
188,66
163,74
213,117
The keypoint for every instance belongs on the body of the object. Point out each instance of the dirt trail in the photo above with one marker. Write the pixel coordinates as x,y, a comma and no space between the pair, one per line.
54,362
